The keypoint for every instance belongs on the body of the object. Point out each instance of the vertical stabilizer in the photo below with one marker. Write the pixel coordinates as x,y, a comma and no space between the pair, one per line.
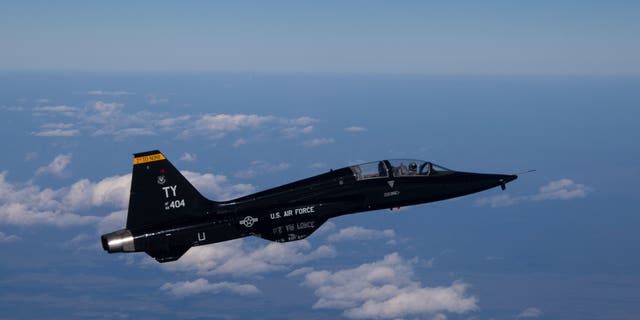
160,194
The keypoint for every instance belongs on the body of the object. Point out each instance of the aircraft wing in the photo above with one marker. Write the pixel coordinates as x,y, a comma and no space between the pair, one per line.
285,231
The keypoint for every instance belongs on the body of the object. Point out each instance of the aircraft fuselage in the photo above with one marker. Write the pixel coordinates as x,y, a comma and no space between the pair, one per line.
295,210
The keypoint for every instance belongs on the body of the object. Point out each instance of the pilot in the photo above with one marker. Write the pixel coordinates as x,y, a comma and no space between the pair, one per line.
427,169
382,170
413,169
401,170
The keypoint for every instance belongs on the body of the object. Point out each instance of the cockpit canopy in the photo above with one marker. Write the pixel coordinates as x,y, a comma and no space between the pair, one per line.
397,168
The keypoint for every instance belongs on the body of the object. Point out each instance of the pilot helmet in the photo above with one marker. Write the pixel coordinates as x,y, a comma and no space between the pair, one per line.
413,166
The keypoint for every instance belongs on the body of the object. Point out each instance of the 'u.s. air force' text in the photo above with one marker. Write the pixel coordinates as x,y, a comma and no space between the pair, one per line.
292,212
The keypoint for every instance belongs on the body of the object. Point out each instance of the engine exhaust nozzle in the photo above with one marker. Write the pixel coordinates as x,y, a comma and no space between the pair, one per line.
118,241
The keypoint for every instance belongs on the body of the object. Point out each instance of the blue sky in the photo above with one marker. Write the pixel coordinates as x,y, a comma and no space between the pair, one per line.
243,97
496,37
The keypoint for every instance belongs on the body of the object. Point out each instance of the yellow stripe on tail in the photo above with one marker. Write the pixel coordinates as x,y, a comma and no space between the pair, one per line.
149,158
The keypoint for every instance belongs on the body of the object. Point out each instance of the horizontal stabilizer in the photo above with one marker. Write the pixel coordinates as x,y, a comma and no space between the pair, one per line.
168,255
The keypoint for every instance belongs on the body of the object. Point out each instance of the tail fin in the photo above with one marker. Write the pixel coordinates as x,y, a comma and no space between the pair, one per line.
160,194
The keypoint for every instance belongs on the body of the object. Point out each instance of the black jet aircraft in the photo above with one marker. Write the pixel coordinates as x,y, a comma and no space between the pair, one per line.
167,215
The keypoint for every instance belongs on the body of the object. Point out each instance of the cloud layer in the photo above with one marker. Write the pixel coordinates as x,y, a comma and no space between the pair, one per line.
31,204
529,313
360,233
104,118
317,142
200,285
57,166
236,258
355,129
385,289
563,189
8,237
115,93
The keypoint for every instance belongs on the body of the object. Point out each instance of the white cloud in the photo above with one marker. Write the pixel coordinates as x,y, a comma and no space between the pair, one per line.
111,191
293,132
57,166
83,241
62,109
239,142
229,122
355,129
217,185
189,157
260,167
360,233
325,228
172,122
57,125
102,118
8,237
57,133
198,286
113,221
52,111
299,272
302,121
441,316
12,108
503,200
215,126
133,132
124,133
385,289
107,109
108,118
33,195
32,205
116,93
237,259
563,189
23,215
57,130
530,312
318,142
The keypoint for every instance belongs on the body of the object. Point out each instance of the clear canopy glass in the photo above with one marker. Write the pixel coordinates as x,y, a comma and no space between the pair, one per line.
397,168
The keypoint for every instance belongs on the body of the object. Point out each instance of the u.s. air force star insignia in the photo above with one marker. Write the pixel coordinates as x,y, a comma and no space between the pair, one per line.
248,221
